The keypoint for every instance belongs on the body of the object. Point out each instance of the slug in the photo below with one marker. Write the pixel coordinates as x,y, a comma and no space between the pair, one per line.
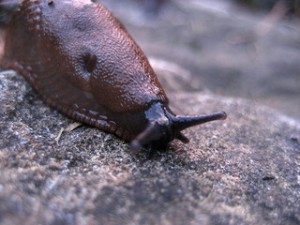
84,63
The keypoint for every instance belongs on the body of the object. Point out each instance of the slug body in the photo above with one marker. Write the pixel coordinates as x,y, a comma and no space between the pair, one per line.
84,63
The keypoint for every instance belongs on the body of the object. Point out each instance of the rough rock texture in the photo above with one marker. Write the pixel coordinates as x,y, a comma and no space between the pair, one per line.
244,170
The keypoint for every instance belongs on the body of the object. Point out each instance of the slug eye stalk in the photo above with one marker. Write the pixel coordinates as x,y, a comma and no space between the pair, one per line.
183,122
164,127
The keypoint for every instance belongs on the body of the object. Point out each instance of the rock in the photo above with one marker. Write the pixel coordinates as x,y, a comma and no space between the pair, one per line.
244,170
293,5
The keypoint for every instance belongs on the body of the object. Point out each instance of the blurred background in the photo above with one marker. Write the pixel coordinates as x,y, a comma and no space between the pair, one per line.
231,48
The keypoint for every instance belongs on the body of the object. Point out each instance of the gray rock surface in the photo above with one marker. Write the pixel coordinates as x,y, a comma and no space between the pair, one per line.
244,170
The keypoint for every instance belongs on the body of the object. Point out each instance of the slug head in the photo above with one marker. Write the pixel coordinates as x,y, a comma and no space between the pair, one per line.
164,126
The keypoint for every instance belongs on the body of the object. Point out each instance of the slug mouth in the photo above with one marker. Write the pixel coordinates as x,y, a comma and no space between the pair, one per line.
164,127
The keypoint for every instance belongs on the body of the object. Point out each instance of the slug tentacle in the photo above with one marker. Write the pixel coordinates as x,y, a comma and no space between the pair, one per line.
164,126
181,137
183,122
150,134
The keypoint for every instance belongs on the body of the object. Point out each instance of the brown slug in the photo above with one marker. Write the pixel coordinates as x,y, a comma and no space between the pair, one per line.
83,62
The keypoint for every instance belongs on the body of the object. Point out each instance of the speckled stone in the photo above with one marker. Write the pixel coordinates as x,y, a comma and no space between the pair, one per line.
244,170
